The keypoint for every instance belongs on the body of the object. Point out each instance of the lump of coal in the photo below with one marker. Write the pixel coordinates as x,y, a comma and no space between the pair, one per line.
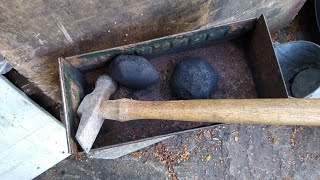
193,79
132,71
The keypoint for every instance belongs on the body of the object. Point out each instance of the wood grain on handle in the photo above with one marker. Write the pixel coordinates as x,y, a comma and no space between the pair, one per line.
244,111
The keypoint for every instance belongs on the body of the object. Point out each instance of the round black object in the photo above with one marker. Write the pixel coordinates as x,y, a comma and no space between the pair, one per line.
133,71
193,79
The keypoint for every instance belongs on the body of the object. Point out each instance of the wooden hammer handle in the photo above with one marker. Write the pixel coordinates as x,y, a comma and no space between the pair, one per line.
244,111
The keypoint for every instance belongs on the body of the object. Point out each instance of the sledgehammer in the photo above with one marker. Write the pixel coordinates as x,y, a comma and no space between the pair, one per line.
95,108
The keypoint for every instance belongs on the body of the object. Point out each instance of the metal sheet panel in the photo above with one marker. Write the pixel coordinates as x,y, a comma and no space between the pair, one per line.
31,140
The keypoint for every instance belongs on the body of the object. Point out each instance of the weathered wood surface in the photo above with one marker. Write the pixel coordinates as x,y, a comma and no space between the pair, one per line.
35,33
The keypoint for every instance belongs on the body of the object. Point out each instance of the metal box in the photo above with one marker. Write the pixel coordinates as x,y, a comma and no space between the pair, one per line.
241,52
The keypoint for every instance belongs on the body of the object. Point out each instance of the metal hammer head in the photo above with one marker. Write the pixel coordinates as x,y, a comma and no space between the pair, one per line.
91,121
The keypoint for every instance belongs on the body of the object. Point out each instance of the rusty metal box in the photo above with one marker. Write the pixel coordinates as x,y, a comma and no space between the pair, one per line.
241,52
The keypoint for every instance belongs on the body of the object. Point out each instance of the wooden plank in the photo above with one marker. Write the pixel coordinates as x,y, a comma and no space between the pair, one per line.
35,33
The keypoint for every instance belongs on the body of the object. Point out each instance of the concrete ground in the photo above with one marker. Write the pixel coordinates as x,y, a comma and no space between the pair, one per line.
225,152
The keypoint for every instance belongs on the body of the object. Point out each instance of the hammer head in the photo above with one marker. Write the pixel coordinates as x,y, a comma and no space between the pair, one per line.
88,111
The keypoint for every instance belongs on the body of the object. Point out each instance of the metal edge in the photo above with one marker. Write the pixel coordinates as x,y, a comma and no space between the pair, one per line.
155,137
160,38
116,152
274,53
157,46
254,54
65,115
299,41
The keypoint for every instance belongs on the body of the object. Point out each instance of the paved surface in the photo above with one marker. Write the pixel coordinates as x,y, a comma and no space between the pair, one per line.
226,152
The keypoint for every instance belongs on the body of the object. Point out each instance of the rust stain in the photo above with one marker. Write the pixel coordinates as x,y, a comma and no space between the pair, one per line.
293,135
293,138
184,153
163,154
138,154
